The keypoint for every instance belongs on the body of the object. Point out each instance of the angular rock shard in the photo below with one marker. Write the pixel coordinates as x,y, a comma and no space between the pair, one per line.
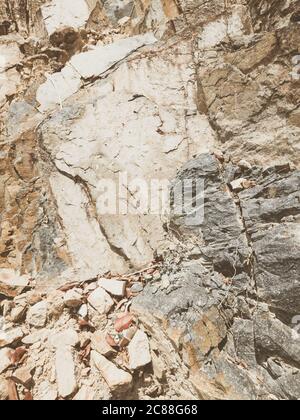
117,379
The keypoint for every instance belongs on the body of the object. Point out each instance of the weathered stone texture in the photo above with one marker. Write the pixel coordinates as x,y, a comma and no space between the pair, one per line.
164,90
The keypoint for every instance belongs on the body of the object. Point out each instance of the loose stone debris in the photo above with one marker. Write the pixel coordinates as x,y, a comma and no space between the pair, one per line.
101,300
65,372
117,379
5,360
73,298
37,314
139,351
96,306
114,287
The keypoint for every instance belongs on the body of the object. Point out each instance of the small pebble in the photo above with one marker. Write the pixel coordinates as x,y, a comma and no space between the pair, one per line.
137,288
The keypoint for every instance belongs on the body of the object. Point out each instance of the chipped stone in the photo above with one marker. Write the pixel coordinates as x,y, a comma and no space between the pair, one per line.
10,336
127,336
37,314
18,314
35,337
114,287
65,372
117,379
95,62
83,311
100,344
73,298
100,300
139,351
124,322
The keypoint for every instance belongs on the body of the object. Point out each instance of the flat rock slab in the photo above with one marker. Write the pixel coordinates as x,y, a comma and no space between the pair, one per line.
62,85
65,372
117,379
102,58
3,389
58,87
139,351
101,301
114,287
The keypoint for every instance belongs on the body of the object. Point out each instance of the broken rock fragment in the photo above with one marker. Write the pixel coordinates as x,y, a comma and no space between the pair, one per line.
11,284
127,336
101,300
86,393
5,360
73,298
35,337
97,61
100,344
114,287
137,288
58,87
59,14
83,311
117,379
66,338
37,314
11,336
139,351
62,85
241,184
18,313
23,376
65,372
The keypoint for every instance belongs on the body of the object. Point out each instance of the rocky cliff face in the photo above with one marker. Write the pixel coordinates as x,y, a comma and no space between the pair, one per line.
149,91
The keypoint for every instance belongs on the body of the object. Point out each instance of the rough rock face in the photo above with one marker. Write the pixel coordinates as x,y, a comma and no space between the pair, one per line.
143,92
243,273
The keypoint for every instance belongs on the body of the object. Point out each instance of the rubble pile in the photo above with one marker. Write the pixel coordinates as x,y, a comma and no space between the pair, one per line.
124,302
79,342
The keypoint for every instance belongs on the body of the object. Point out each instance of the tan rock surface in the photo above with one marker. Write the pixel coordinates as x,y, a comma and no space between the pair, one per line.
115,97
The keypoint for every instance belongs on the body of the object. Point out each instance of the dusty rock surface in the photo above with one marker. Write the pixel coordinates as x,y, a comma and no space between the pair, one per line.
96,303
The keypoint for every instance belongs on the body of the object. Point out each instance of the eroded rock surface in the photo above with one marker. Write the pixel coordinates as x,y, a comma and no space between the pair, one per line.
153,91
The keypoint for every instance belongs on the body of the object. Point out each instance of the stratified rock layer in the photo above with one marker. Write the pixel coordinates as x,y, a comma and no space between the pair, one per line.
101,97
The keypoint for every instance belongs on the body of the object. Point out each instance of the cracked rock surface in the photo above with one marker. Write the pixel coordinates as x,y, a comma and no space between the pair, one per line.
98,304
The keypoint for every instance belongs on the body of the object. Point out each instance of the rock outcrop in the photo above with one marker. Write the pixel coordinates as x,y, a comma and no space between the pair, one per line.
104,106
